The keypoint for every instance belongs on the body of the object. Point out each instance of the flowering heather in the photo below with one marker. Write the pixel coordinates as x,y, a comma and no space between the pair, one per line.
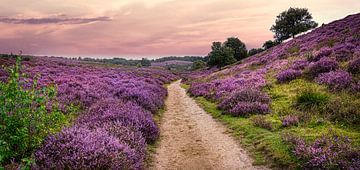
261,122
336,80
288,75
244,102
290,120
322,66
354,66
323,52
81,148
329,152
200,89
116,120
246,108
128,113
299,64
344,51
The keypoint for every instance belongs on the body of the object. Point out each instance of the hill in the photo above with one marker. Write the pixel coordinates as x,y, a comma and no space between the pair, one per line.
296,104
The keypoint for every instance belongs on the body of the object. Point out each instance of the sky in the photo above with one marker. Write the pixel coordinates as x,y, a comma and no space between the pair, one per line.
146,28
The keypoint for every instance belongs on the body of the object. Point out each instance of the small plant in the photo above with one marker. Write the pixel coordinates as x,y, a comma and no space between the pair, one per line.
260,121
299,64
293,49
310,99
290,120
246,101
324,65
81,148
354,66
336,80
323,52
28,115
288,75
344,110
331,151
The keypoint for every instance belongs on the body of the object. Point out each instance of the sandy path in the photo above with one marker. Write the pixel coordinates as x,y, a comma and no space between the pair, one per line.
191,139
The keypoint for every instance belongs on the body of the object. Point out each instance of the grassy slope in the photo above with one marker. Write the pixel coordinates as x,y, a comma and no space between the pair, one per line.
267,146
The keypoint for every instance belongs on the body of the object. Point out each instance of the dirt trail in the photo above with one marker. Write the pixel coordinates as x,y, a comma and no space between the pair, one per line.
192,139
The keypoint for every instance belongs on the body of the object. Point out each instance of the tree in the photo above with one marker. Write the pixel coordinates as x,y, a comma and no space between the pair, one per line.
145,62
292,22
239,47
221,55
268,44
198,64
255,51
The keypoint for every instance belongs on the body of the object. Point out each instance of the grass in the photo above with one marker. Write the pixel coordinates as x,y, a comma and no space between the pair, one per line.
267,147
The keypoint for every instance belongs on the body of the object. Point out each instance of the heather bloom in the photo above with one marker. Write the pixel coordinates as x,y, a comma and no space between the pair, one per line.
329,152
354,66
299,64
247,101
81,148
324,52
261,122
288,75
290,120
322,66
336,80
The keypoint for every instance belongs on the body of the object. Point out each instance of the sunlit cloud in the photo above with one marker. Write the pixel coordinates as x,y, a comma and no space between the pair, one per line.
52,20
146,28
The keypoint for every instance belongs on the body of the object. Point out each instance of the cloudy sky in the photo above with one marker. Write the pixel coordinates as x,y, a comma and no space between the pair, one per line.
146,28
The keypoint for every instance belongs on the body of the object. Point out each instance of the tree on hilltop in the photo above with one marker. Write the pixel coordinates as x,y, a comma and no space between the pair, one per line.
221,55
238,46
292,22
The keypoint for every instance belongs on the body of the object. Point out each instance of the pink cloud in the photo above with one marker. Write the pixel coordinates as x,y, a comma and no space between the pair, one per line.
137,28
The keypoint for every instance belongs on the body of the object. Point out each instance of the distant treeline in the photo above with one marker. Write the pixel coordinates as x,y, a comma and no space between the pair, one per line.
185,58
144,61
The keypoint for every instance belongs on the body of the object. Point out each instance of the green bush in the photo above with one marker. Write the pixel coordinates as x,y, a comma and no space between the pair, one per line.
28,115
310,99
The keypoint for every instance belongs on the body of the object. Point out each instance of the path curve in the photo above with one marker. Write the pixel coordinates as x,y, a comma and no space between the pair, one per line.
192,139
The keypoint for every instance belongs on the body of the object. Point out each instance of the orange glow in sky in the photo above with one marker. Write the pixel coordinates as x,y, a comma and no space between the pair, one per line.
146,28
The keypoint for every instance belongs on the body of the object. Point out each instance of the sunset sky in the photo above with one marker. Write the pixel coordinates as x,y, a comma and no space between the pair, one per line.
136,28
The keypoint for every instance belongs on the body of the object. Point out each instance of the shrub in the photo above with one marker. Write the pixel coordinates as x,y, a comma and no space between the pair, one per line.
355,87
344,109
28,115
354,66
245,108
293,49
343,51
336,80
125,134
289,120
323,52
261,122
332,151
128,113
246,101
81,148
288,75
310,99
200,89
322,66
299,65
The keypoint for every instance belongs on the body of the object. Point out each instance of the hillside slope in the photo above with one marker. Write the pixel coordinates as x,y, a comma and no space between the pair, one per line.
281,101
